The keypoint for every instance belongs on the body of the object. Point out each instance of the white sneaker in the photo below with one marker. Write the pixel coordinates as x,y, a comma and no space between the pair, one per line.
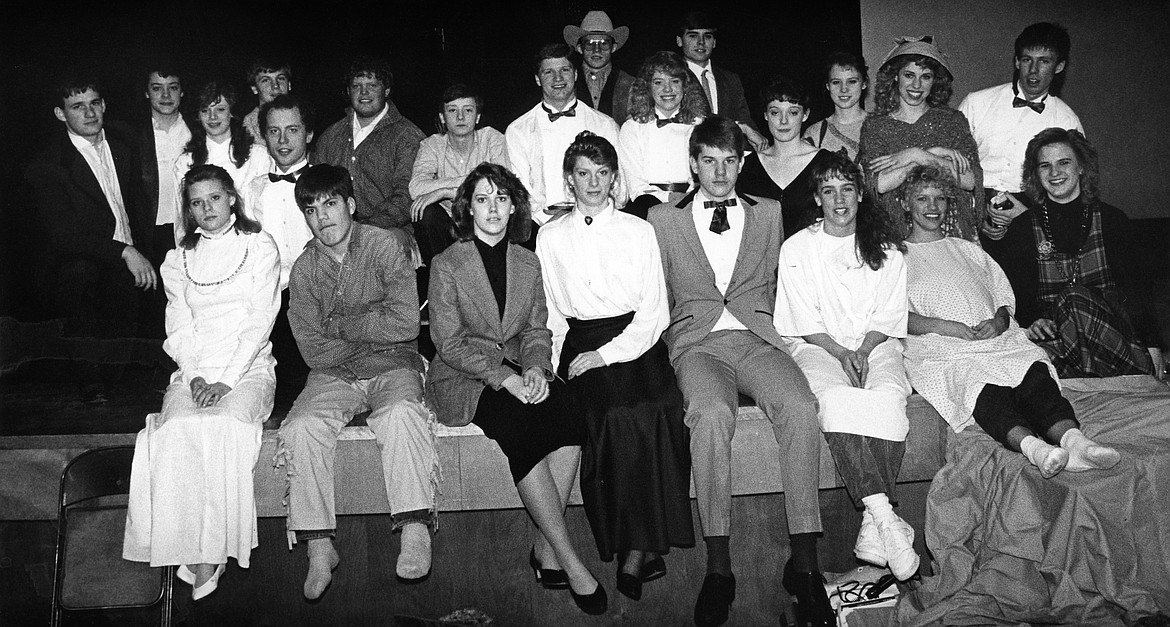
898,539
869,547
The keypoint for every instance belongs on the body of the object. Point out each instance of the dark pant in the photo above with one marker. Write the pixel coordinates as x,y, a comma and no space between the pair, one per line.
291,369
1035,404
867,465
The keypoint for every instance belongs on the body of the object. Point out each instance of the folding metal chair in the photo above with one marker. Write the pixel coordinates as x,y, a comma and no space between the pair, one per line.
90,576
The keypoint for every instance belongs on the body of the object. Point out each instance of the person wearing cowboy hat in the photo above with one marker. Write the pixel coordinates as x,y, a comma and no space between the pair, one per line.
1005,117
599,83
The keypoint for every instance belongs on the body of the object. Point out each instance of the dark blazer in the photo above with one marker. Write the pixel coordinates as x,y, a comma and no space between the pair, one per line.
732,102
471,341
73,212
615,95
149,157
695,302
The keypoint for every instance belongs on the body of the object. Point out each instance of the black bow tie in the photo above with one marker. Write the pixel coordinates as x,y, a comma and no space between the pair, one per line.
571,112
675,120
291,177
1035,105
719,216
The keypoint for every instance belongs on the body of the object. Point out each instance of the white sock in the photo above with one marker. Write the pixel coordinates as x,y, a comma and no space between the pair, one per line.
414,558
1085,454
1048,459
878,506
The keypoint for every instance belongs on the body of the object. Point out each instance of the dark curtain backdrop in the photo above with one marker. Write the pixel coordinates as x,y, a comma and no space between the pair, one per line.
429,45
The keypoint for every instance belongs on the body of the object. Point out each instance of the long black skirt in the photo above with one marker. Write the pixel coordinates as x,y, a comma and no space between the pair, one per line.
527,433
635,464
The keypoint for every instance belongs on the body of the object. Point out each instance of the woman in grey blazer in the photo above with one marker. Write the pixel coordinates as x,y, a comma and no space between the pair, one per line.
493,366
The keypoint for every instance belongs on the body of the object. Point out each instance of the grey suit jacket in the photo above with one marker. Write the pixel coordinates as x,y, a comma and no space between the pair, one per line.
695,303
470,338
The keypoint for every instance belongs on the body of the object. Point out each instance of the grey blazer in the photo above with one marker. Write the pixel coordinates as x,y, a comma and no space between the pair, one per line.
471,340
695,302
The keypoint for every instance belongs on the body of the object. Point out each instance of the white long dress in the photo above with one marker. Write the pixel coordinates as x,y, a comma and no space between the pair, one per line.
824,288
954,279
191,491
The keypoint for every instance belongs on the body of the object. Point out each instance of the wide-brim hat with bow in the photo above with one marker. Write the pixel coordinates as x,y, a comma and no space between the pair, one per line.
597,23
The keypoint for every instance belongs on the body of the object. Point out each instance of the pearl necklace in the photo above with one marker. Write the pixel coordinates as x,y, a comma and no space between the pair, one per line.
229,277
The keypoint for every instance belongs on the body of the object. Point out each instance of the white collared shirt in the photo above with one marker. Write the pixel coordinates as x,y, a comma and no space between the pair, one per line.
555,138
360,133
274,206
649,154
698,70
1002,132
169,143
722,249
101,163
606,267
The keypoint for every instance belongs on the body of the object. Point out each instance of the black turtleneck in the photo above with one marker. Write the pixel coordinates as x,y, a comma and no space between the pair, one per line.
495,263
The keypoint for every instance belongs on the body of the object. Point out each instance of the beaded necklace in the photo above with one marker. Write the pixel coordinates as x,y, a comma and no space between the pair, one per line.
1047,248
229,277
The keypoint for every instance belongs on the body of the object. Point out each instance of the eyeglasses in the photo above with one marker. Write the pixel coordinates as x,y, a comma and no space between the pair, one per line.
604,45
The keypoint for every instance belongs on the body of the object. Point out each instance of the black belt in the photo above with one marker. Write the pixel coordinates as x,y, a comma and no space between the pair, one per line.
672,187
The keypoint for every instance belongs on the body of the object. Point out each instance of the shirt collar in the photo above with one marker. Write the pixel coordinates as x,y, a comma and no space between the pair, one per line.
698,69
701,198
568,105
82,143
377,119
293,168
598,220
154,122
599,75
1019,93
226,229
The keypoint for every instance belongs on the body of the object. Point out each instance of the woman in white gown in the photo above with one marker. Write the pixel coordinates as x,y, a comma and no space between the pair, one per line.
966,354
841,305
191,492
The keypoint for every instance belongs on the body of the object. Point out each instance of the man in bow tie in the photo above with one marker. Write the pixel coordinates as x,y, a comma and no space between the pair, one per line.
723,343
536,141
285,125
599,82
1006,117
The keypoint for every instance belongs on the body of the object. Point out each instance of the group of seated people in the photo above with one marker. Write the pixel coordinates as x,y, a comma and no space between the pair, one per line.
600,296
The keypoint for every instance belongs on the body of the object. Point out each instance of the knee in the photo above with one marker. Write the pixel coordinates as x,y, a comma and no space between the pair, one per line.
710,419
402,415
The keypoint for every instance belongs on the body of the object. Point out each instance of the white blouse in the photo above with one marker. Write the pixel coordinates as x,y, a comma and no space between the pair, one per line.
600,270
649,154
222,299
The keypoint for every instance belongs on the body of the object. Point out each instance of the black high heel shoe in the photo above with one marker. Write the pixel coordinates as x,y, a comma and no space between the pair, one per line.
808,598
594,603
549,578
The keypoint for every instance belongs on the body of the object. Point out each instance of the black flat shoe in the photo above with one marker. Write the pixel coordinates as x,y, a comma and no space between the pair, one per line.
809,598
594,603
654,569
550,578
629,585
714,600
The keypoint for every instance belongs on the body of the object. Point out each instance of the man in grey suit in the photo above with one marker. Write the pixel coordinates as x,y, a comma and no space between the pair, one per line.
719,254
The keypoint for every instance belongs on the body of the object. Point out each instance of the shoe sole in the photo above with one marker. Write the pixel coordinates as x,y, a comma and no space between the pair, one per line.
412,581
870,558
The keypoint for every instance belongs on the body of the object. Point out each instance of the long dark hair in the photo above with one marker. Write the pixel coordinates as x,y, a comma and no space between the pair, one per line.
885,100
241,140
874,232
519,223
207,172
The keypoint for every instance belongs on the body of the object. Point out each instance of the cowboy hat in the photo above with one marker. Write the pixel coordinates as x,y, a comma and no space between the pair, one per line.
597,23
